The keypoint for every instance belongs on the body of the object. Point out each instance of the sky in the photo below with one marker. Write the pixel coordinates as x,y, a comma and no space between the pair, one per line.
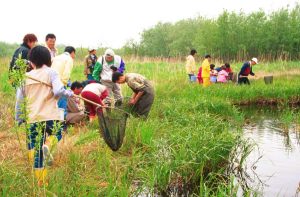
98,23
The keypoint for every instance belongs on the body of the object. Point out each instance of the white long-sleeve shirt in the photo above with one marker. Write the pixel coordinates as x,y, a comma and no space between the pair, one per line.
95,88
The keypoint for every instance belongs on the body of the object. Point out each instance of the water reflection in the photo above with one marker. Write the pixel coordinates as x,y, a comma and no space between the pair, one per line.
278,144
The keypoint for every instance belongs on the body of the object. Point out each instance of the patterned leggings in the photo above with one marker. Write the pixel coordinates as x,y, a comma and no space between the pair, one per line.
36,137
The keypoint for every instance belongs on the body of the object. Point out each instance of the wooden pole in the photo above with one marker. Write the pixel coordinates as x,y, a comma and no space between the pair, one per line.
77,96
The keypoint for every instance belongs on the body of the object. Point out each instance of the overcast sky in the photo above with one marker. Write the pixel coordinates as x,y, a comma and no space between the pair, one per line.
111,22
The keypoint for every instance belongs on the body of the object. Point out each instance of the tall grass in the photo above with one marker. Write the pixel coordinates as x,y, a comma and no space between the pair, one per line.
185,143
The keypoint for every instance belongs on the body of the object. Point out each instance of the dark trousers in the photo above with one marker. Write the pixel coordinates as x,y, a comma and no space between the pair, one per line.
244,80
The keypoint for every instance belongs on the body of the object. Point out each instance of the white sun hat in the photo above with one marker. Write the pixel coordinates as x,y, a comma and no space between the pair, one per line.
109,52
255,60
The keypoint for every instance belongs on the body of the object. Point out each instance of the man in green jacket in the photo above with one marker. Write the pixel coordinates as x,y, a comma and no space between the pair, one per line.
105,66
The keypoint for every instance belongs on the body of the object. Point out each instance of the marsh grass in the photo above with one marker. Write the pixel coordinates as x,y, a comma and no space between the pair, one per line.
185,143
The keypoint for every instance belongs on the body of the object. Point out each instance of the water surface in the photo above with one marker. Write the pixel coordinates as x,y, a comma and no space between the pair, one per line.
279,146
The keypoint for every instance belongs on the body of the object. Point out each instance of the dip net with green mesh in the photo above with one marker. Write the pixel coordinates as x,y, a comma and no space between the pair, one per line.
112,123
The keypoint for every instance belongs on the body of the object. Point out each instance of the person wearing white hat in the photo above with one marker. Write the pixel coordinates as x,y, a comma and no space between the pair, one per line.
103,70
90,62
246,70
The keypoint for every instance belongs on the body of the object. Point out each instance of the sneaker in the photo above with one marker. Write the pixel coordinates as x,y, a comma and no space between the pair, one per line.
48,158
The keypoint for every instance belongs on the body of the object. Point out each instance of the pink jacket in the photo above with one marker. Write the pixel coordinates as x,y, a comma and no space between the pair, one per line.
222,76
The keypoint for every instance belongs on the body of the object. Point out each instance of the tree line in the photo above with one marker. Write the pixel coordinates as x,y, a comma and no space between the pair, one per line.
230,36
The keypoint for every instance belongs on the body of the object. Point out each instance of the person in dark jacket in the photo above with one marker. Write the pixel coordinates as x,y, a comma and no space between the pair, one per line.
29,42
246,70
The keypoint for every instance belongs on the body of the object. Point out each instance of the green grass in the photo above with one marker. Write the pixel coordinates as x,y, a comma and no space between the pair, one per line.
187,138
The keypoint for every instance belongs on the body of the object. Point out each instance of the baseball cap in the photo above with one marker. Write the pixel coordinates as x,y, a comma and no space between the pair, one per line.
109,52
255,60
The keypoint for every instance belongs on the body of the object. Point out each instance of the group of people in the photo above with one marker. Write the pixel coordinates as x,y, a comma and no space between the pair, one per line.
209,74
50,103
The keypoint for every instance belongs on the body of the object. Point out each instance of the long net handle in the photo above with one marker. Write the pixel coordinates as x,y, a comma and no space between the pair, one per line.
87,100
42,82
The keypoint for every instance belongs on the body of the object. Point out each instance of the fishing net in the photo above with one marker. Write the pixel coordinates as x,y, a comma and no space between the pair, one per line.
112,124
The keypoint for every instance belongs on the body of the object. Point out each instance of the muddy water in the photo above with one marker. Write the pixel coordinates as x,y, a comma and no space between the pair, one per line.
277,172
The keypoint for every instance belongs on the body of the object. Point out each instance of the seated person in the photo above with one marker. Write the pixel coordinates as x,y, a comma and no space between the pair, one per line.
213,74
74,108
222,75
229,71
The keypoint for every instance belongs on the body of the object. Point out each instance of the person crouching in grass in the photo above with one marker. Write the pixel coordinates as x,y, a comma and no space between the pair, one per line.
143,96
74,108
222,75
40,92
96,93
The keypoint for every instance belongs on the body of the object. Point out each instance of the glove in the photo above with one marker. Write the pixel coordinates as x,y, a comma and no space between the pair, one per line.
114,68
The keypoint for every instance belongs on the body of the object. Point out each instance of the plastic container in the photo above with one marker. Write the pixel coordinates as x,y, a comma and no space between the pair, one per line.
268,79
213,79
193,78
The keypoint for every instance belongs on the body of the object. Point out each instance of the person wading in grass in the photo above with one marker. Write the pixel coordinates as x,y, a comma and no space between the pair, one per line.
43,114
89,63
143,96
103,71
190,65
75,109
63,65
246,70
205,74
97,93
29,41
50,45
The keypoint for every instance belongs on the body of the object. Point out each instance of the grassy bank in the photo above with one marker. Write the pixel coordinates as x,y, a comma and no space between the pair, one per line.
185,142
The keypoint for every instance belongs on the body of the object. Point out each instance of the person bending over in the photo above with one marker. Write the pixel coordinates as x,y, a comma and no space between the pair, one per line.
96,93
143,96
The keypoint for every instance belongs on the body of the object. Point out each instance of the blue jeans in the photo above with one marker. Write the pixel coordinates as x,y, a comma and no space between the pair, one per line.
36,137
63,103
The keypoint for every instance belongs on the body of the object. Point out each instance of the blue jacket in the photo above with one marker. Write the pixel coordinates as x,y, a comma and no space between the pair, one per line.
246,70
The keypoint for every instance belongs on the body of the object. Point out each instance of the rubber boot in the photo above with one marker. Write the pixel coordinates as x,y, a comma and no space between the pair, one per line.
52,141
31,156
41,176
